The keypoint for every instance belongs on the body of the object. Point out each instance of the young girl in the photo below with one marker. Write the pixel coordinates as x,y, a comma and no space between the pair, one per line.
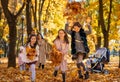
79,45
62,44
32,53
42,50
21,57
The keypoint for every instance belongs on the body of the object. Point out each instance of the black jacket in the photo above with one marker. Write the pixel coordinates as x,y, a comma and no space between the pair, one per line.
83,38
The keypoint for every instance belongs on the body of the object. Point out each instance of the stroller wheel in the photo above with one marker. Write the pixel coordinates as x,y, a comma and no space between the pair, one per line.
91,71
106,72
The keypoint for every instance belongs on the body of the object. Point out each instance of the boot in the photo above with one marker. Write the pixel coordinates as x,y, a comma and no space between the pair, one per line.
39,66
82,64
63,77
79,71
55,73
80,74
78,65
86,75
42,66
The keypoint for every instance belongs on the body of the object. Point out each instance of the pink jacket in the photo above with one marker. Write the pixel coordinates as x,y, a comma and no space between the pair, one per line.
20,58
62,47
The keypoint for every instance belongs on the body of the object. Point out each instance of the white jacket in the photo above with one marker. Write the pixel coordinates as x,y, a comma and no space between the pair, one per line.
27,60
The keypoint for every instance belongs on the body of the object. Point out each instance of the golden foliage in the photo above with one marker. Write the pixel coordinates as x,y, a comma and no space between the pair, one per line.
55,56
1,51
31,53
73,9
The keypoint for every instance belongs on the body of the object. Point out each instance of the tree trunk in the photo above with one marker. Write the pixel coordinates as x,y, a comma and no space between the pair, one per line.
28,17
11,19
34,11
41,3
97,46
35,17
12,34
108,27
46,17
12,44
106,41
105,30
102,23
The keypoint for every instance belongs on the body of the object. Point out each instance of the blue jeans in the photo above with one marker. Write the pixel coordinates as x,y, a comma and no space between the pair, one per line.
22,67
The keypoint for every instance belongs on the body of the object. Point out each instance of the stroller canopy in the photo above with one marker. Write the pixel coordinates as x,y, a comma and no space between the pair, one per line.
101,52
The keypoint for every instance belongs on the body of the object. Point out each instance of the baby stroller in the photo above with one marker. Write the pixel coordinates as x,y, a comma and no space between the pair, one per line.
97,60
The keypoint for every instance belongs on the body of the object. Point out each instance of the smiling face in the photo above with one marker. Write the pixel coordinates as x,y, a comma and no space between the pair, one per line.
76,28
61,34
33,39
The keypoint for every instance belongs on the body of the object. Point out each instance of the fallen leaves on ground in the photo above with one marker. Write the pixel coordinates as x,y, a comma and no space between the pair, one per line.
46,75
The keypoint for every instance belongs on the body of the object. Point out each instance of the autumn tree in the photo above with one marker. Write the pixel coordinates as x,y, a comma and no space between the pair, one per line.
47,15
105,29
28,17
41,3
110,13
11,20
34,11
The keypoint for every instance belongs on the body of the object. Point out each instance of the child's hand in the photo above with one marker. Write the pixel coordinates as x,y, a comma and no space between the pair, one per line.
88,20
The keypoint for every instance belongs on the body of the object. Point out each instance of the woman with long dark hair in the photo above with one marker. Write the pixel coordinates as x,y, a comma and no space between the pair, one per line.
42,49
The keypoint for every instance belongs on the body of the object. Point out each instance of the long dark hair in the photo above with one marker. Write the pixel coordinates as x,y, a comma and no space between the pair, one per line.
65,37
40,35
29,40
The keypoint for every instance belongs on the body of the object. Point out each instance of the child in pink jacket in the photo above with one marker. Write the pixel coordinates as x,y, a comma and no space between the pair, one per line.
21,57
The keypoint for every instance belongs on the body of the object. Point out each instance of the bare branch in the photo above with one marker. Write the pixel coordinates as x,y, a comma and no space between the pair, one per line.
20,10
6,11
